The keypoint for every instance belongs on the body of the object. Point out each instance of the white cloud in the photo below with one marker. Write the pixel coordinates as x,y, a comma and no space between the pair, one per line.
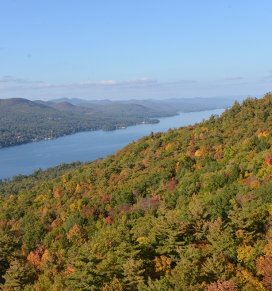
141,88
11,82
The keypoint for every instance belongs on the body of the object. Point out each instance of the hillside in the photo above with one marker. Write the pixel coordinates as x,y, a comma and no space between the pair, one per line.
23,121
190,209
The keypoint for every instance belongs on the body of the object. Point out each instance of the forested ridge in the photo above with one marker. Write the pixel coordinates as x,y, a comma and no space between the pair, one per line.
190,209
24,121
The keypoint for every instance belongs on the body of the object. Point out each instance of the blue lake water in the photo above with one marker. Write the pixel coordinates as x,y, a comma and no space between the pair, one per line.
85,146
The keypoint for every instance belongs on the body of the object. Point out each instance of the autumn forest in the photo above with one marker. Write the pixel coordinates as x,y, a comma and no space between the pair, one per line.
190,209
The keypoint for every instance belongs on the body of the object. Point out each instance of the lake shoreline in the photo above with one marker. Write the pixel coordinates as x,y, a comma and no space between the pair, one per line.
86,146
150,120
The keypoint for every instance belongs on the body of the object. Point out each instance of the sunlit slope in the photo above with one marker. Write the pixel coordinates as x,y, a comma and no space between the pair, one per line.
190,209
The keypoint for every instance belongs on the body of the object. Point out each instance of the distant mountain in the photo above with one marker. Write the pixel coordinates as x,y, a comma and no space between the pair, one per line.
82,102
188,104
20,104
172,106
63,106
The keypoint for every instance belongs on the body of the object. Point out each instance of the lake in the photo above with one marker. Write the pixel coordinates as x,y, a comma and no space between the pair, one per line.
85,146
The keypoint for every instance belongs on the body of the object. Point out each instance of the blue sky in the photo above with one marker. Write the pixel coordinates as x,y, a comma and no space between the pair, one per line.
121,49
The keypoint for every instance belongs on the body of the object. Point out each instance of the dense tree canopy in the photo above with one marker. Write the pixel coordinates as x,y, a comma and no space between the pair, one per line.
190,209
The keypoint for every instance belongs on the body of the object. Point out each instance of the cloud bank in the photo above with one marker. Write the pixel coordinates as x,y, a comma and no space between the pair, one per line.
12,86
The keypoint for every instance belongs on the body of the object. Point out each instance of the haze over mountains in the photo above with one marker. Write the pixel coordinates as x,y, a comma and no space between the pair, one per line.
174,104
23,121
